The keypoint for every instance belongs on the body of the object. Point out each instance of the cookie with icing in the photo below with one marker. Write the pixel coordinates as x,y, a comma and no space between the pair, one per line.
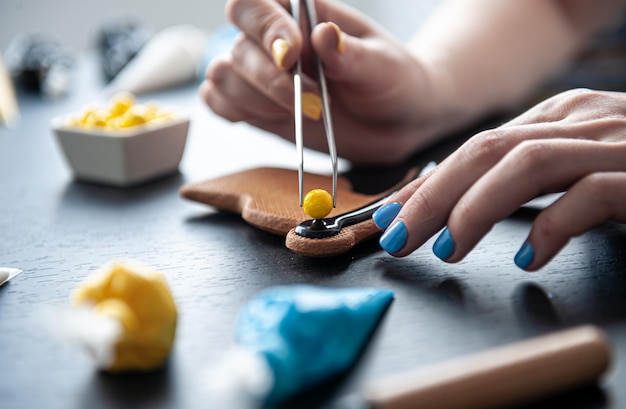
268,198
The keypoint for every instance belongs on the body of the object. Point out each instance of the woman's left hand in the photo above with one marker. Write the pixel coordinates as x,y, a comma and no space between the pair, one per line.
574,142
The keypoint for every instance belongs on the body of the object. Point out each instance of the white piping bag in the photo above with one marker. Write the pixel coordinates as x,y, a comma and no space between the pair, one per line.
170,58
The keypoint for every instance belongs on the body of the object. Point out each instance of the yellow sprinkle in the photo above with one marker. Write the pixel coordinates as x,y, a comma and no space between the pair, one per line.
153,111
317,204
136,115
280,47
98,117
74,120
121,102
311,105
122,112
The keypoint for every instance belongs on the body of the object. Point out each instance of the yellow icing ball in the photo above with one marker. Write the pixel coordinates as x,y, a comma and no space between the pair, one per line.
121,102
317,204
96,117
153,111
141,300
123,111
134,116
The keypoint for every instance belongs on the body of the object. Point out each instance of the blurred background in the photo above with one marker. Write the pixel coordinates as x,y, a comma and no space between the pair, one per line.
75,22
141,46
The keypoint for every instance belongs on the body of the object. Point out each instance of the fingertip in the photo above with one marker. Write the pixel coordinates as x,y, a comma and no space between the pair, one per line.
218,69
285,49
328,39
394,238
525,256
340,44
528,259
204,89
269,24
280,48
444,245
384,215
330,45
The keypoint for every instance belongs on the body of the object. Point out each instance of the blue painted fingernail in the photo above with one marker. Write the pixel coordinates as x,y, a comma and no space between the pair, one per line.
524,256
444,245
394,238
384,215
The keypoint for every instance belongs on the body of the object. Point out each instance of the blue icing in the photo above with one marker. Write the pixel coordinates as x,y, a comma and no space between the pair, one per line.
309,333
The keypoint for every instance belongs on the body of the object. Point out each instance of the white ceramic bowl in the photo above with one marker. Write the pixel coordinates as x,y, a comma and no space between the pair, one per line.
123,157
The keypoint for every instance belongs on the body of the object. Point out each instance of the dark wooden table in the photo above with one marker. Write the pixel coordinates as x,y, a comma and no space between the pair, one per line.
59,230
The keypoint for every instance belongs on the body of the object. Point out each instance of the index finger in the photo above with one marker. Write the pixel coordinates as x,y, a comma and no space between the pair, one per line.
270,24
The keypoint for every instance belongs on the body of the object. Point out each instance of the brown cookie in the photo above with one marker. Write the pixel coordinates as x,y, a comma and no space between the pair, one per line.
267,198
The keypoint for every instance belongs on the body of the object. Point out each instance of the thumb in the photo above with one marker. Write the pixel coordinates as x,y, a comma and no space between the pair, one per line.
346,58
270,24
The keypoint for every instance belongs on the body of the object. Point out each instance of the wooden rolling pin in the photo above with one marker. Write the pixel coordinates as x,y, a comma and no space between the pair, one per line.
512,374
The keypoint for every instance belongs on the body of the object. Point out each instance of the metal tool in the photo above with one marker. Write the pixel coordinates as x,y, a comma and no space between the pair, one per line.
323,228
311,19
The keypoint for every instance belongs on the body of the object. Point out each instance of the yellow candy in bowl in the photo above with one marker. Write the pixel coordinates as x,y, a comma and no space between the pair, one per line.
123,143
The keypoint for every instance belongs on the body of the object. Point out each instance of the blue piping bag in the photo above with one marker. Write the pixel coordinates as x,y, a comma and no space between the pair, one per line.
291,338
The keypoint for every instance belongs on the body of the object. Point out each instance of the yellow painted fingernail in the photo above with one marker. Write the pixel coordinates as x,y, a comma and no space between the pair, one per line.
341,45
280,47
311,105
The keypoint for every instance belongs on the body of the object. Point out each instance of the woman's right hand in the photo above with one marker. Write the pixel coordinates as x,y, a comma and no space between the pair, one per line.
382,98
573,142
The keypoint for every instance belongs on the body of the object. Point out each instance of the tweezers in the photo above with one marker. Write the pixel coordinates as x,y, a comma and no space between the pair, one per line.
311,18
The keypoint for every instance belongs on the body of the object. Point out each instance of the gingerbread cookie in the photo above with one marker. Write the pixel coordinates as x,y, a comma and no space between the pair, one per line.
268,199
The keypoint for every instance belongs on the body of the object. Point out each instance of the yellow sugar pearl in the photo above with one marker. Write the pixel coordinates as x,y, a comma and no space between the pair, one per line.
141,301
136,115
74,120
122,112
96,117
153,111
121,102
317,204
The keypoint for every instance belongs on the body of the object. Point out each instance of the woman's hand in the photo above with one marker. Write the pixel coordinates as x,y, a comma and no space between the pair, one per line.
382,100
574,142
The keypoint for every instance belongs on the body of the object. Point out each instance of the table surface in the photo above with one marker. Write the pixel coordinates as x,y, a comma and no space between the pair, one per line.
58,230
